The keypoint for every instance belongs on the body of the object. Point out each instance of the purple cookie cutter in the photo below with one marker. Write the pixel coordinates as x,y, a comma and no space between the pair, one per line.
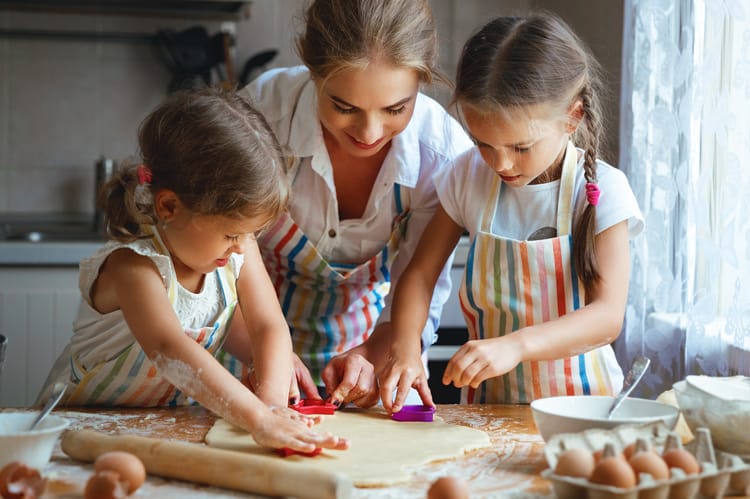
423,413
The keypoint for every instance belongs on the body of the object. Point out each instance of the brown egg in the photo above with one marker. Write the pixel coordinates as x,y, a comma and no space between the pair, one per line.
614,471
630,449
128,466
18,481
649,462
448,487
105,485
683,459
575,463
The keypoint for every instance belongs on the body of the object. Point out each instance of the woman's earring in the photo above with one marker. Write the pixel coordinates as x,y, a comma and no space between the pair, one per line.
163,224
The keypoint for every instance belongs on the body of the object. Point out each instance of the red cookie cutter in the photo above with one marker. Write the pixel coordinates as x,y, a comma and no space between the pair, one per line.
422,413
313,406
286,452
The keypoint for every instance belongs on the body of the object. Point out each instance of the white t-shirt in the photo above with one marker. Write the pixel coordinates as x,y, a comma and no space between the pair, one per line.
287,97
464,189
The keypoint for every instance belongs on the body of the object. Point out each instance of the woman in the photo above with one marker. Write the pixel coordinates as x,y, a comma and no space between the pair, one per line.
367,144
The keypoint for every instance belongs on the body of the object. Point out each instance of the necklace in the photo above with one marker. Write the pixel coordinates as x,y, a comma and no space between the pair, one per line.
552,173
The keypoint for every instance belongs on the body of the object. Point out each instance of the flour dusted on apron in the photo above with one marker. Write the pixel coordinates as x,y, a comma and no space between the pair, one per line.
510,284
117,372
330,307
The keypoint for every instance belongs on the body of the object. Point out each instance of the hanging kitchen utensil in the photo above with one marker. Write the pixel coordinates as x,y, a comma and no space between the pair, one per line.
255,65
220,51
189,55
3,346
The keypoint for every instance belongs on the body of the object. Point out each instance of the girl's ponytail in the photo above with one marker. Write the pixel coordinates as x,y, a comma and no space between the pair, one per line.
126,204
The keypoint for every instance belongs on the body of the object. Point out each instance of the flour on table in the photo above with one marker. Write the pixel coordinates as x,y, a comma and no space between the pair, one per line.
381,451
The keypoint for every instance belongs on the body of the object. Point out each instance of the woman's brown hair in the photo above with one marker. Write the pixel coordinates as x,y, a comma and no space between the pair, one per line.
212,149
342,34
515,62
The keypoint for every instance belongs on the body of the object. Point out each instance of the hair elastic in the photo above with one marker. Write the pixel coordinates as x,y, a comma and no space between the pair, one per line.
144,174
592,193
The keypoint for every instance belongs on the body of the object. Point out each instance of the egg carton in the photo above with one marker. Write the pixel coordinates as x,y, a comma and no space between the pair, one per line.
721,473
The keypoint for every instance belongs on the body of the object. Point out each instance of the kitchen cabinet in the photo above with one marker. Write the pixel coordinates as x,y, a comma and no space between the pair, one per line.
37,308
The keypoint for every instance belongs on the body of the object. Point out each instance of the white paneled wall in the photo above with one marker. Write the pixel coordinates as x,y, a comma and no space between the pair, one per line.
37,308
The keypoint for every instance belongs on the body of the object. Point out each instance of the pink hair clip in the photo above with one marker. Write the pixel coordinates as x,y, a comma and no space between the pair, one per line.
144,174
592,193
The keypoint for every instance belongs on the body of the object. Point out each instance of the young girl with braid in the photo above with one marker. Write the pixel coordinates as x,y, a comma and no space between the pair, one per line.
546,280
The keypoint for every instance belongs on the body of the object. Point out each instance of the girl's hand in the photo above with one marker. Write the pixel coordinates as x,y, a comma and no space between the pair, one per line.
478,360
287,412
403,372
302,381
279,431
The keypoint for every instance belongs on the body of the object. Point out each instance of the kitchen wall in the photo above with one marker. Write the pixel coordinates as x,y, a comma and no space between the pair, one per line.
64,103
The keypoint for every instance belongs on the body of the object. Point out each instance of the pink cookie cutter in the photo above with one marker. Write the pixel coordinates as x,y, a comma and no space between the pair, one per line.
286,452
313,406
422,413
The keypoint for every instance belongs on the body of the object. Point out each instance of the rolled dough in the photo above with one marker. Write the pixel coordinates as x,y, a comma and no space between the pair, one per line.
381,449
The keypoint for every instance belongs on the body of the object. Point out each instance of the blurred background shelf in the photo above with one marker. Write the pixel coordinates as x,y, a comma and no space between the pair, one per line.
193,9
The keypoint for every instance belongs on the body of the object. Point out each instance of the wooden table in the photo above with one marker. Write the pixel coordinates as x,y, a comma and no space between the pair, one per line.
510,468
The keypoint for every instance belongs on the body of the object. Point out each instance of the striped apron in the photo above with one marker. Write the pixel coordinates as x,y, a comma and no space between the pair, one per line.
510,284
330,307
130,378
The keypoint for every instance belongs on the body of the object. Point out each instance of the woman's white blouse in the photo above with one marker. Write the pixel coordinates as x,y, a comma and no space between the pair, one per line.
287,98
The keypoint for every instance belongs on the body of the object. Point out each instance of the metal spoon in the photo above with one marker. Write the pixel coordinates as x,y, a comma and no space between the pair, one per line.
54,398
640,364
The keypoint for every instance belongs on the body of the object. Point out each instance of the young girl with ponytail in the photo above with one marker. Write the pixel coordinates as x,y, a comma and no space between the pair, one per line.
182,276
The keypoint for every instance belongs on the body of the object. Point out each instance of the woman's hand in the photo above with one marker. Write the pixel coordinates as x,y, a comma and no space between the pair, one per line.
478,360
402,372
350,377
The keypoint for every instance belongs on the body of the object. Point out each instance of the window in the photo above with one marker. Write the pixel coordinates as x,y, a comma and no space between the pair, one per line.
685,146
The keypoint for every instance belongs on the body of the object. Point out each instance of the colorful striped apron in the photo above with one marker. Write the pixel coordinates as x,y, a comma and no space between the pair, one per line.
510,284
130,378
330,307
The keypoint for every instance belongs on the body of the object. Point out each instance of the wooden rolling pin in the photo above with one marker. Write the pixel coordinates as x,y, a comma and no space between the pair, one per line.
222,468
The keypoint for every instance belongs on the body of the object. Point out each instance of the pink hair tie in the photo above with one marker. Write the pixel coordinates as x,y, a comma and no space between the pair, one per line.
592,193
144,174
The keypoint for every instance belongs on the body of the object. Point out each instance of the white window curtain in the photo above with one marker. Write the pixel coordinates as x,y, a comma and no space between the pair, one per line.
685,147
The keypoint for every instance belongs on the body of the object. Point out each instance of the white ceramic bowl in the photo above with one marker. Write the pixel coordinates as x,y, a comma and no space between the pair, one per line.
33,448
576,413
721,404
